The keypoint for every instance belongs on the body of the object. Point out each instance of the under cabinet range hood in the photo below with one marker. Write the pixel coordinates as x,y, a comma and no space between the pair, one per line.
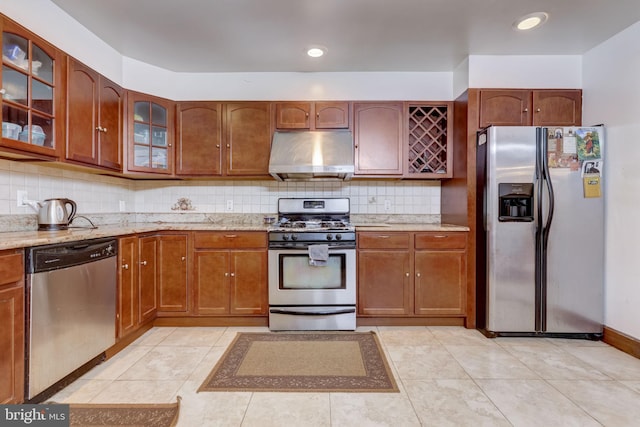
312,156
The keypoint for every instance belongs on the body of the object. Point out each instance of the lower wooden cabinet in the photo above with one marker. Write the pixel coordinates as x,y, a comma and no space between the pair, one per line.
12,334
230,273
407,274
137,284
172,259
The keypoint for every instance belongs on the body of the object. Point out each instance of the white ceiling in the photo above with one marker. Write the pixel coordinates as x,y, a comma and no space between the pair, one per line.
360,35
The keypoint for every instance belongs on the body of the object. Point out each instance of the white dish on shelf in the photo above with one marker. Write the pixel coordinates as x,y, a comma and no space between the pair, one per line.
10,130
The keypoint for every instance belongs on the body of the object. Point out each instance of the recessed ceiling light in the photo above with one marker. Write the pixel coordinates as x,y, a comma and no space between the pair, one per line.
316,52
531,21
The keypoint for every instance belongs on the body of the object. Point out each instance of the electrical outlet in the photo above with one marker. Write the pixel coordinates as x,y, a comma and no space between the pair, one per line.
21,197
123,206
387,205
229,205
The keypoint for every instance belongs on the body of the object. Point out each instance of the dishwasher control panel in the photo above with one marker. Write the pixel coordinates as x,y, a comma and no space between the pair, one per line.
62,255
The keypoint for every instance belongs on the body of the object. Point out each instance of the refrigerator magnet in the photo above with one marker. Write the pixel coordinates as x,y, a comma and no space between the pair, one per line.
591,167
591,186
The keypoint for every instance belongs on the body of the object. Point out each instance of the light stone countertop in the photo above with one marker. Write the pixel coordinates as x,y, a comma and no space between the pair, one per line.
23,239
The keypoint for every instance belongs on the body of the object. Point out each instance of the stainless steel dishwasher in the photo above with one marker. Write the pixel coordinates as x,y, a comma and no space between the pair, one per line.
71,311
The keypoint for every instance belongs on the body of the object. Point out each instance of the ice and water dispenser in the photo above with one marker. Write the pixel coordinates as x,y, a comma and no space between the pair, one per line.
516,202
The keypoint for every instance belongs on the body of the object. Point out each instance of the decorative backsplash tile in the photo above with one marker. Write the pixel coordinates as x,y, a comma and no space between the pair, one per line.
96,194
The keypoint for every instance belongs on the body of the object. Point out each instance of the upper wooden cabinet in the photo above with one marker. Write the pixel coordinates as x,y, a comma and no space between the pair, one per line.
150,134
429,140
313,115
247,131
378,134
95,109
199,138
33,79
525,107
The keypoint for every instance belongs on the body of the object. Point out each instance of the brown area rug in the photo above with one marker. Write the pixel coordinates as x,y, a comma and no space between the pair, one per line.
318,362
121,415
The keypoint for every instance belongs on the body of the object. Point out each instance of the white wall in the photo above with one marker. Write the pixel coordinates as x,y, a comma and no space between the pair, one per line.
612,86
517,71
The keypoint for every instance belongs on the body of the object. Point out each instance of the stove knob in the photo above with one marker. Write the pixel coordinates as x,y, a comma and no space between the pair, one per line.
338,236
329,237
285,237
294,237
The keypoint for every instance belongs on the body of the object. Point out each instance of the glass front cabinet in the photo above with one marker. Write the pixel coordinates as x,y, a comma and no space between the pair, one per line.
32,96
151,127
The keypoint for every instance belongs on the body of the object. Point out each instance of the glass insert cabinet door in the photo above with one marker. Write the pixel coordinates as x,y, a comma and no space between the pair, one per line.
28,91
150,136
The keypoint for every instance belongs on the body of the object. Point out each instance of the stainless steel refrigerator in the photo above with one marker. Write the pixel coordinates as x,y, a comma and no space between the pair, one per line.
540,232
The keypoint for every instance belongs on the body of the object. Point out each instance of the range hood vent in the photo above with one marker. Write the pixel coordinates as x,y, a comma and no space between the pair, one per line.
312,156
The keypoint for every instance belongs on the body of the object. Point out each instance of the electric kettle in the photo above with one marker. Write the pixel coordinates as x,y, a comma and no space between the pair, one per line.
53,213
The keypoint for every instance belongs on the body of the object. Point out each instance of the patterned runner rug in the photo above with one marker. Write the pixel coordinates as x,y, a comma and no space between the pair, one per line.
121,415
317,361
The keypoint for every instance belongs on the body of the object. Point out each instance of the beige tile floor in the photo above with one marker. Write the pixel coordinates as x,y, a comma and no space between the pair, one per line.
448,376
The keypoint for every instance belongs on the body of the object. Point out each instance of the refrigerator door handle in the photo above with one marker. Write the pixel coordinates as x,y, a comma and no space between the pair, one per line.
549,185
540,262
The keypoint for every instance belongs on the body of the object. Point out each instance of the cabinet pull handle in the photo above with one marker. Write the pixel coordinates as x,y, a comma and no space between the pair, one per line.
230,236
440,236
383,237
143,262
125,266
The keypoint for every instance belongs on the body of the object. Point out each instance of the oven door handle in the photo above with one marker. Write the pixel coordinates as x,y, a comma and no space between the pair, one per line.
315,313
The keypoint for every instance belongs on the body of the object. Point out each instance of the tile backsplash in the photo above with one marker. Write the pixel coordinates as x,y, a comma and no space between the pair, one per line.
102,194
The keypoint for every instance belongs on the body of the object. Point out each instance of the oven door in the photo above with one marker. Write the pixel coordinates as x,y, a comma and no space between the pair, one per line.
294,282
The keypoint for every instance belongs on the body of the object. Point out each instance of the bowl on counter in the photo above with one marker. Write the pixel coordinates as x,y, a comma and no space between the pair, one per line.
10,130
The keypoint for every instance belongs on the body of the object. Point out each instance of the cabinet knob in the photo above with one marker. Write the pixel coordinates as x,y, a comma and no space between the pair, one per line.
526,110
318,115
228,145
418,275
233,274
104,130
169,145
537,110
125,266
226,274
143,262
306,114
99,129
184,258
406,274
217,145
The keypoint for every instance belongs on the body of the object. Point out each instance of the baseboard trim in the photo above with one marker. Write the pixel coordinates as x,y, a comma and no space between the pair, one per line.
212,321
622,341
410,321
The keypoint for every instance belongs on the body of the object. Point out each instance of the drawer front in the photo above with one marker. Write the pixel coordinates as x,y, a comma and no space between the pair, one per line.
230,240
441,240
383,240
11,268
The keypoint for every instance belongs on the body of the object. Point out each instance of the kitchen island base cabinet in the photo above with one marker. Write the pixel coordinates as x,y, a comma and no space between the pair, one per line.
230,274
413,274
12,333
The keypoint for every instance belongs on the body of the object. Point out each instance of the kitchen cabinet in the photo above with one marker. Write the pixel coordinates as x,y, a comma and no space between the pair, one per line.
526,107
95,114
248,129
230,273
440,273
172,274
429,140
150,134
378,138
33,95
137,300
384,280
313,115
12,334
411,274
199,138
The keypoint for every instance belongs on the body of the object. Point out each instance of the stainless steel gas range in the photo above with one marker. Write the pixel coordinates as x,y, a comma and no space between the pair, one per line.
312,266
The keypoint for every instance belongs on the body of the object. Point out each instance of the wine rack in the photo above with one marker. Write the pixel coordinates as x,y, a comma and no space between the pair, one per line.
428,140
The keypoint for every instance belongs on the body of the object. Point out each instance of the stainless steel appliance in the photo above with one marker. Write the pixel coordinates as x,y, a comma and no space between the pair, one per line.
71,310
312,266
540,240
53,213
312,156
